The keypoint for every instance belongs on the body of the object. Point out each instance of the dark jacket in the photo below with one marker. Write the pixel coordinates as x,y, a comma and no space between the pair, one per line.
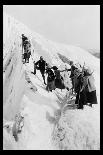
41,65
51,75
72,70
24,38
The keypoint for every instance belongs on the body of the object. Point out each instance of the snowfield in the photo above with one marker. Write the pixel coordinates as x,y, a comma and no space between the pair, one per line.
49,124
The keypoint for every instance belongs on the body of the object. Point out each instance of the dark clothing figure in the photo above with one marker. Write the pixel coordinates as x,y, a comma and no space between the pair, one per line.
72,69
28,56
50,80
51,75
24,38
25,57
87,91
80,97
26,45
34,68
90,88
58,79
41,65
59,82
91,97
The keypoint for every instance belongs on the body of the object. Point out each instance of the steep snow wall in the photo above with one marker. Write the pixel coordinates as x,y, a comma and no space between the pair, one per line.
13,72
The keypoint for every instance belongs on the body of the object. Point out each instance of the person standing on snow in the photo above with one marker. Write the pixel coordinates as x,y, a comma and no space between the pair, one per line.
50,79
87,93
24,45
34,67
89,87
72,69
59,81
41,65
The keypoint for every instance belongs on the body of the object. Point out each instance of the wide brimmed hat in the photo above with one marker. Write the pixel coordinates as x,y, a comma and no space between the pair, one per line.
54,67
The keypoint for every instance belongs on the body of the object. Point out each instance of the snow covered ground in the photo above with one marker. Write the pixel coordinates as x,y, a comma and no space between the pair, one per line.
43,112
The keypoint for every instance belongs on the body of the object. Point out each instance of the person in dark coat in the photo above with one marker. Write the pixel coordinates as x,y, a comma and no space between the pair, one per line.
59,82
89,87
81,96
34,67
24,39
87,90
72,69
41,65
50,79
24,45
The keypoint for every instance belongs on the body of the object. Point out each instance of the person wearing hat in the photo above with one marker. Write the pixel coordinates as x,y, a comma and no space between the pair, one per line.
72,69
50,78
59,81
24,38
24,45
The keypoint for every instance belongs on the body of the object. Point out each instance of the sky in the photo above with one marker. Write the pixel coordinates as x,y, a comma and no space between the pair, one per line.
77,25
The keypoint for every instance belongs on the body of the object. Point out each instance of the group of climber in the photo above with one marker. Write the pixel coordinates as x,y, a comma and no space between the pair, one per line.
81,77
54,78
26,48
83,85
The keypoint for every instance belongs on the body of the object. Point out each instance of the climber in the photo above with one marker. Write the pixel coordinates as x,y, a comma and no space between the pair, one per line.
87,93
59,82
77,73
24,38
80,95
28,46
73,67
24,45
50,79
89,87
34,68
41,65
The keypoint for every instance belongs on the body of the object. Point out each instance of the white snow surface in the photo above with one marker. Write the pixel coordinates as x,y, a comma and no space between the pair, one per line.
25,92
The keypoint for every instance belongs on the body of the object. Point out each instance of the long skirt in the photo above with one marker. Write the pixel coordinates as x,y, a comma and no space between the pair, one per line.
91,97
59,84
50,85
84,97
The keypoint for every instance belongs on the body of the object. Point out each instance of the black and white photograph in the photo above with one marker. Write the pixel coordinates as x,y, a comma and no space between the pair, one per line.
51,77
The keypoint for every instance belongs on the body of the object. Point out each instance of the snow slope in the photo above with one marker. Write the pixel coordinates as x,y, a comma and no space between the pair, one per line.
25,93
